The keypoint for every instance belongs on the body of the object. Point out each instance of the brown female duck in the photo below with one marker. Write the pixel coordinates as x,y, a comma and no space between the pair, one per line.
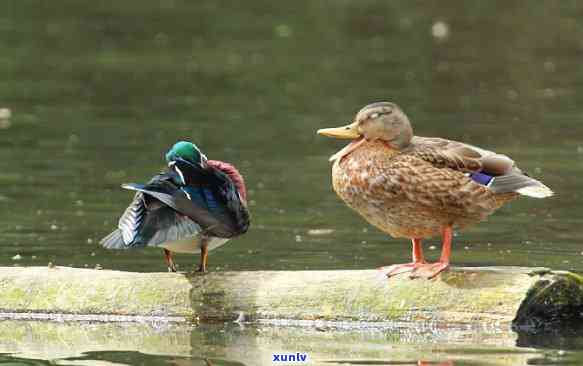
417,187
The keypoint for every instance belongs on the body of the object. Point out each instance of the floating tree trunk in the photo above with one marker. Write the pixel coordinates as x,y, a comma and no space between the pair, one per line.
485,296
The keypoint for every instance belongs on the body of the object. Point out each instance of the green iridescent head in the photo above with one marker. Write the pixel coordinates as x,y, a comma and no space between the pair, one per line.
187,151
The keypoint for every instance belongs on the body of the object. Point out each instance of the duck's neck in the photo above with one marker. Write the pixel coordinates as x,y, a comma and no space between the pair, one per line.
347,149
395,145
403,139
232,173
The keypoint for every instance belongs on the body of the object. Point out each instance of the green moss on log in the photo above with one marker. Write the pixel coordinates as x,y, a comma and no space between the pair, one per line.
82,291
555,301
458,296
462,295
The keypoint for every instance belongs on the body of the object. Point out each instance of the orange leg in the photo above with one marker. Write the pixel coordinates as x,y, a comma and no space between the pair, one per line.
431,270
418,261
204,255
169,261
446,248
417,251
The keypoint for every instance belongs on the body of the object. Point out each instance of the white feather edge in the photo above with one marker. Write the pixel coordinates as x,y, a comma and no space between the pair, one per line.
336,156
541,191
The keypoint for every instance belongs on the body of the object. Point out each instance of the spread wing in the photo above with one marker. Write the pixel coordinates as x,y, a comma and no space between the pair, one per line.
190,202
149,222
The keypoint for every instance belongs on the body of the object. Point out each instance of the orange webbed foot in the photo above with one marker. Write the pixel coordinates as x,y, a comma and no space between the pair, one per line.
429,270
396,269
418,261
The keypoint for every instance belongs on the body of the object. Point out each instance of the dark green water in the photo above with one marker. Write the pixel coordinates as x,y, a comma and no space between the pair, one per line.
100,90
36,343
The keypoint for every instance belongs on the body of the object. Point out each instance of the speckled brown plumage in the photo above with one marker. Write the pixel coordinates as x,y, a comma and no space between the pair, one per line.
407,194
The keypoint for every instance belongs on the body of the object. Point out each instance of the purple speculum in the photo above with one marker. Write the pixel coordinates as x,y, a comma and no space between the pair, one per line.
481,178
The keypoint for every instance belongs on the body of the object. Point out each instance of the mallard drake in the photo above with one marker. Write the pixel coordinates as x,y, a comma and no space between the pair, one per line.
195,205
417,187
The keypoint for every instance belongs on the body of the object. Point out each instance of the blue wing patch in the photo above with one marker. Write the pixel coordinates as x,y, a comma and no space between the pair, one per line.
481,178
195,195
211,201
203,197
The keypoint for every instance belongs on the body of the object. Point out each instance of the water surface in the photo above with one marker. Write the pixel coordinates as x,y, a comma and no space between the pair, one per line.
239,344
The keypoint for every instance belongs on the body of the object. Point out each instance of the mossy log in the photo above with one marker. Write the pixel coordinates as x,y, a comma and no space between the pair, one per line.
485,296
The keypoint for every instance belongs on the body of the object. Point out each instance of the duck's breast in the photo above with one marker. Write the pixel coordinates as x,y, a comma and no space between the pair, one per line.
386,191
363,180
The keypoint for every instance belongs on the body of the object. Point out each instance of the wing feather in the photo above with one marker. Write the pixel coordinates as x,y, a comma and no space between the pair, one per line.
184,201
507,177
128,226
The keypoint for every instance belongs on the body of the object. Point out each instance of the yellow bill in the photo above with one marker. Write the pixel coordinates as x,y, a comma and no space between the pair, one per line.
347,132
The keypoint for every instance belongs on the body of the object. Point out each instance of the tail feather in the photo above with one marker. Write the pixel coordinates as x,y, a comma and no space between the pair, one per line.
541,191
520,183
